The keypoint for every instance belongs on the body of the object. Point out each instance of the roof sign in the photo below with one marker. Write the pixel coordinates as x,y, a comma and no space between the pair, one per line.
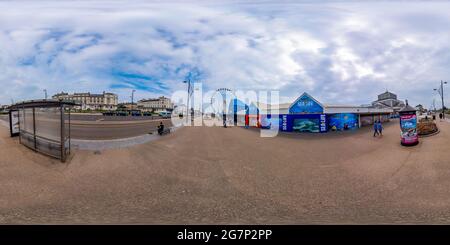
305,104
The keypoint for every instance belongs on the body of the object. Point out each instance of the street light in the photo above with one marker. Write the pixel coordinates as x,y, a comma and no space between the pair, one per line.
441,93
132,98
45,92
189,95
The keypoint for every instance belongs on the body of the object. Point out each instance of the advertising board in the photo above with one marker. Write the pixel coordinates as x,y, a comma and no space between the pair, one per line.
408,127
14,123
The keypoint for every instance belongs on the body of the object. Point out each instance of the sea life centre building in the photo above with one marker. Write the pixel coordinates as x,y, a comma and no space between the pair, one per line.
306,114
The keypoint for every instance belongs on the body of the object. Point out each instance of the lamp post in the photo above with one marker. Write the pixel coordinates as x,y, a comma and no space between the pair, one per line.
434,105
188,82
45,92
441,93
132,98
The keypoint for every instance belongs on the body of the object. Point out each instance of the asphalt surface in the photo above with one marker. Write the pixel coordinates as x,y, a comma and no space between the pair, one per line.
202,175
90,117
93,127
117,130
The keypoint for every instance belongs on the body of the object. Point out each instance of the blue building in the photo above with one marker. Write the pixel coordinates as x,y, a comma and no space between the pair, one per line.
306,114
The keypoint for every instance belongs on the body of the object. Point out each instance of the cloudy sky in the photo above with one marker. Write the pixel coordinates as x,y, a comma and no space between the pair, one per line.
339,52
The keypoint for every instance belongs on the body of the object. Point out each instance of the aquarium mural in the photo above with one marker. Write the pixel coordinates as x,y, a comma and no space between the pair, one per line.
342,121
314,123
306,125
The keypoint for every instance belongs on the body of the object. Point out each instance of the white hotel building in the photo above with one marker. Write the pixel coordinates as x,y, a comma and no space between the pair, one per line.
88,101
155,105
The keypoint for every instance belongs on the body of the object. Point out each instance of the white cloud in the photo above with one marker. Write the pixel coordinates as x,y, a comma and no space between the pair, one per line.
339,52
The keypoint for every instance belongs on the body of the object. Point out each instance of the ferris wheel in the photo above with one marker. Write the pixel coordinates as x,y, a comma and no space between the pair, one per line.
223,92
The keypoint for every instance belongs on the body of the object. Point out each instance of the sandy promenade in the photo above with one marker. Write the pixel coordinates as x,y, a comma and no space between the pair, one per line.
201,175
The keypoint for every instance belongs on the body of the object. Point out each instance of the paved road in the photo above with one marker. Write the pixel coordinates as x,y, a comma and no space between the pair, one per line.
101,128
88,117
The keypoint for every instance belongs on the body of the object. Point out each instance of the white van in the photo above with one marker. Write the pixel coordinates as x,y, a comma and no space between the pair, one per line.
165,114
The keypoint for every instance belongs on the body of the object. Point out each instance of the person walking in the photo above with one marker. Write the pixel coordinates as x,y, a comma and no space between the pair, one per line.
375,128
380,128
440,116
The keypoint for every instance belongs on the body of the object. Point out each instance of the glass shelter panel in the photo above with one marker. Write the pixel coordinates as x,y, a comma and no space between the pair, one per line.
45,127
48,131
26,127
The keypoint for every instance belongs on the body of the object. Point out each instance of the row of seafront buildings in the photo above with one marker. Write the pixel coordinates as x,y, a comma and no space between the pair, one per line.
110,101
159,104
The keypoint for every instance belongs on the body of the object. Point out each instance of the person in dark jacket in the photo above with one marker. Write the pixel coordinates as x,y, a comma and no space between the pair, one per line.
160,128
375,129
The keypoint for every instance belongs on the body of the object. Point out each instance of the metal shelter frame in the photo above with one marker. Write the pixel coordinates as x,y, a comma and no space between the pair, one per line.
31,138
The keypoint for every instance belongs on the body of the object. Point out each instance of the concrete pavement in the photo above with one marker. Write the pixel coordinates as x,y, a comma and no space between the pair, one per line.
203,175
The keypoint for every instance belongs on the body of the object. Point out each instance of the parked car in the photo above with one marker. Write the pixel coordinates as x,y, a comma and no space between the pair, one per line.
165,114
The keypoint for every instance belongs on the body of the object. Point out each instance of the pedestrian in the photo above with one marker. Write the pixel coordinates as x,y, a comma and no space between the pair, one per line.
380,128
375,128
440,116
160,128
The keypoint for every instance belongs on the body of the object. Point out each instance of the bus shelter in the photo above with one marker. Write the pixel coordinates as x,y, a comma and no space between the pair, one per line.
44,126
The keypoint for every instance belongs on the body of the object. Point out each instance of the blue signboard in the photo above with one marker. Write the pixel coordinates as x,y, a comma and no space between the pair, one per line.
323,123
305,104
343,121
284,123
314,123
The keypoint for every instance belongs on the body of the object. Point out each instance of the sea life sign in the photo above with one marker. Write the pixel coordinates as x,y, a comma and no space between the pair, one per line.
306,104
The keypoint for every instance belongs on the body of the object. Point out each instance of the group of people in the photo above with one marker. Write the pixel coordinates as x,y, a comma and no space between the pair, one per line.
377,128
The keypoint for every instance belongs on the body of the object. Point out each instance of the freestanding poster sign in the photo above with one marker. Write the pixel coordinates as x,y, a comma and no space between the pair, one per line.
14,123
408,125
